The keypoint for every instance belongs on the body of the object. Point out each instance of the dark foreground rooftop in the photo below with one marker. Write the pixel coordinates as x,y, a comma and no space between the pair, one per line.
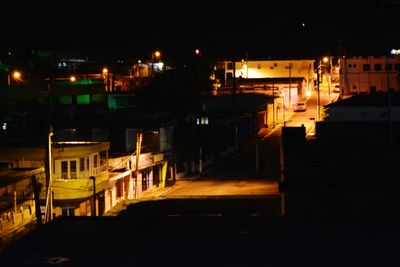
247,237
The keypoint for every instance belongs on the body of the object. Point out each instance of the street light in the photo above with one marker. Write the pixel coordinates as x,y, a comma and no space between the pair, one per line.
106,78
16,75
155,55
329,60
318,82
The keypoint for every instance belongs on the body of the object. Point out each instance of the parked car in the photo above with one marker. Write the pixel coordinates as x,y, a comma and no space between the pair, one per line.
300,106
336,89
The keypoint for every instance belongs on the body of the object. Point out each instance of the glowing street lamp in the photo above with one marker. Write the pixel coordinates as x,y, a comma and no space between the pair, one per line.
16,75
155,55
197,52
72,78
106,78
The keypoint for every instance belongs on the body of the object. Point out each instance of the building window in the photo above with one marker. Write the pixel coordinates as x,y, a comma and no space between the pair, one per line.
64,169
354,65
275,64
397,67
103,158
271,68
378,67
95,161
87,164
229,66
81,164
259,66
388,67
72,165
119,186
366,67
68,211
350,66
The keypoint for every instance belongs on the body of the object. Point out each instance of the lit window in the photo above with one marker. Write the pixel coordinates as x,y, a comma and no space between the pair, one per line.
95,161
82,164
64,169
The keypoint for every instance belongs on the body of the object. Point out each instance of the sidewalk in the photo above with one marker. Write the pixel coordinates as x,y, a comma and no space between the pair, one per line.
159,193
154,194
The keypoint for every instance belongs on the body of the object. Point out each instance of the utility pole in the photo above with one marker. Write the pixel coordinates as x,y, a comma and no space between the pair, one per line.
318,99
139,137
273,106
290,85
330,78
234,105
49,197
36,193
94,195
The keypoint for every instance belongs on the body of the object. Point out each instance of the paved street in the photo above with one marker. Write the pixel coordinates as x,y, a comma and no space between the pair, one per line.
241,175
238,175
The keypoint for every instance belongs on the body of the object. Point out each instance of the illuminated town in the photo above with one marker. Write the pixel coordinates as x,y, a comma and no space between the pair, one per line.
213,148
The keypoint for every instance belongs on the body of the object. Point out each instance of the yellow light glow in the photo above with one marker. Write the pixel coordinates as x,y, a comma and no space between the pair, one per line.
72,79
197,52
105,70
325,59
157,54
308,94
16,75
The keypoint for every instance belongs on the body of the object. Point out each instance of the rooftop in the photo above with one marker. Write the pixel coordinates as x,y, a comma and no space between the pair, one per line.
368,100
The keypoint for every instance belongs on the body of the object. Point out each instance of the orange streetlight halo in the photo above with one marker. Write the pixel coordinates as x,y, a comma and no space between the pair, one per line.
72,79
16,74
157,54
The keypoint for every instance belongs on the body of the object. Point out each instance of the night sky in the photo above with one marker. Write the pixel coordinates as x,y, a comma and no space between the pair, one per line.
220,29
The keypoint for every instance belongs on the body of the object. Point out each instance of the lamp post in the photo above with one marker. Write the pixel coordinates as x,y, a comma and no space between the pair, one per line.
105,77
139,138
318,82
49,197
155,55
16,75
290,66
94,195
329,60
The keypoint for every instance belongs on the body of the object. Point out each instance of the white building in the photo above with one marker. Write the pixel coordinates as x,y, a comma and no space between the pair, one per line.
72,165
369,74
296,74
